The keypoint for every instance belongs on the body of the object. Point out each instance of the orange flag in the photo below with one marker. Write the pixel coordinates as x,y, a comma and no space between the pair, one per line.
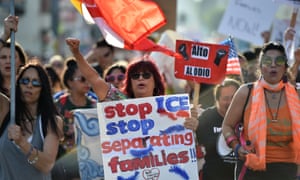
125,24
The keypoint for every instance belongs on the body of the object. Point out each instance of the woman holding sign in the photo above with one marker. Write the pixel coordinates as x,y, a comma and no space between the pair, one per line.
141,80
269,145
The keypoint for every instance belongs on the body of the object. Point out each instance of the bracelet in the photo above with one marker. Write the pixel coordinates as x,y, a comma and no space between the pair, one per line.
35,159
236,150
229,139
29,152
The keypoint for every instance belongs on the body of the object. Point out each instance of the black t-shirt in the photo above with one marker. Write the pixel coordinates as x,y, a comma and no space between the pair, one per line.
215,167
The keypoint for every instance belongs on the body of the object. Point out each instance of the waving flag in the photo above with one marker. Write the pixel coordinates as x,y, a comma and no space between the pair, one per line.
233,64
125,24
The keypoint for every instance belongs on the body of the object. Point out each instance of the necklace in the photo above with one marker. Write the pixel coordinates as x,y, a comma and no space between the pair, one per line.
274,115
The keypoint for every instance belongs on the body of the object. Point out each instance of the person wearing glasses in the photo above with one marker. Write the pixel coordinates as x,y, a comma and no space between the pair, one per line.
75,98
29,146
115,74
142,78
269,145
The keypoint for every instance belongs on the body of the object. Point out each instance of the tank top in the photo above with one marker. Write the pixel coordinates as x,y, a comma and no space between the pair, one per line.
13,162
279,134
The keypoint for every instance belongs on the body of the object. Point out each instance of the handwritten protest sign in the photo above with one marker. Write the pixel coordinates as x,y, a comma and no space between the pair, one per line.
146,139
202,62
246,19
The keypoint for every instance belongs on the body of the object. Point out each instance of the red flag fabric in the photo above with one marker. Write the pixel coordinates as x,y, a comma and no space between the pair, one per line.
233,63
125,24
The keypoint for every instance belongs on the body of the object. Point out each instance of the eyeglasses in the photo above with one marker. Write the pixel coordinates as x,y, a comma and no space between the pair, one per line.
34,82
112,78
279,60
136,76
80,79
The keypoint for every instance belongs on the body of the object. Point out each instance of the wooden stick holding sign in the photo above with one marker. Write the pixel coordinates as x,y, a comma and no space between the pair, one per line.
289,38
196,94
294,17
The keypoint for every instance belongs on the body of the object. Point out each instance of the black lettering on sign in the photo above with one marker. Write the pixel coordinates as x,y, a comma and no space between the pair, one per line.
243,25
199,52
195,71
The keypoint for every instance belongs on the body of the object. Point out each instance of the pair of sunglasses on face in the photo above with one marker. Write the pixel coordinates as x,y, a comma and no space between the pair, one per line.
112,78
145,75
80,79
34,82
278,61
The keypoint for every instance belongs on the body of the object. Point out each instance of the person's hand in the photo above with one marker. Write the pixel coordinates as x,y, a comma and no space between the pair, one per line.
73,44
192,122
289,34
266,36
15,134
10,24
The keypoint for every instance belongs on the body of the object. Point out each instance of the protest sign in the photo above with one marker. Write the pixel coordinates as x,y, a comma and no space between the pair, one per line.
201,62
246,19
88,142
146,139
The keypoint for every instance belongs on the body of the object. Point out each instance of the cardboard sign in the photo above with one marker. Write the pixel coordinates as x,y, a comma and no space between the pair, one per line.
203,62
146,139
246,19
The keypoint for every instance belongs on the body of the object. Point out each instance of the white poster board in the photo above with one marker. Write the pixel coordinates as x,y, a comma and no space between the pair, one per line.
246,20
145,138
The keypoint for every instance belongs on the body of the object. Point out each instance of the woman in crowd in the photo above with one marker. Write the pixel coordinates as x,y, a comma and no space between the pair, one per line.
56,83
142,78
29,147
269,145
75,98
115,74
10,24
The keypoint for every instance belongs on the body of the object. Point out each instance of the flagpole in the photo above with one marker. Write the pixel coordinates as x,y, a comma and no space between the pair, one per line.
12,69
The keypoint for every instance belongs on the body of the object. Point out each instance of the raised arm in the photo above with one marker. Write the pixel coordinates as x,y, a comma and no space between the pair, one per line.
100,87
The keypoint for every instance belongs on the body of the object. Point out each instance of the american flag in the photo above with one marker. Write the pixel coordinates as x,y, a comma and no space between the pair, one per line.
233,64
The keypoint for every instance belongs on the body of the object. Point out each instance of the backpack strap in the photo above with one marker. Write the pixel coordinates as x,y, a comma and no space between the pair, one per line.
250,86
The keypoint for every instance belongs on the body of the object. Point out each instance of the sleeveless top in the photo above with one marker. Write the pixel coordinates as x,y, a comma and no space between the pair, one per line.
279,134
13,162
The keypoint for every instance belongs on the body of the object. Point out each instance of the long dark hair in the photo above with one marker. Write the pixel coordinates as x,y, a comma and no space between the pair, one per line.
45,108
70,69
148,66
23,59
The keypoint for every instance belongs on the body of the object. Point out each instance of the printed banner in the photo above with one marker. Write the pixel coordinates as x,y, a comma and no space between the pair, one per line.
203,62
144,139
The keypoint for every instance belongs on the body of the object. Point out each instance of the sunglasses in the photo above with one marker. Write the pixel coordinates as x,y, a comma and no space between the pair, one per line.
80,79
279,60
34,82
136,76
112,78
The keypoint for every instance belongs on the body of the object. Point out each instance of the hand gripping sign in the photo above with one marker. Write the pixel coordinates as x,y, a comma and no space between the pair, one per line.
201,62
